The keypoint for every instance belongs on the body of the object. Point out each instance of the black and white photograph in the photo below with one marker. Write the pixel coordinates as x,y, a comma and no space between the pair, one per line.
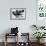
17,13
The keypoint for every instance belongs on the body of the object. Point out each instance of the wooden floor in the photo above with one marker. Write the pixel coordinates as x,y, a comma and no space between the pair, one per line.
13,44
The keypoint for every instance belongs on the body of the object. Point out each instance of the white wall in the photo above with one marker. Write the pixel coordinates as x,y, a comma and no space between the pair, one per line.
24,25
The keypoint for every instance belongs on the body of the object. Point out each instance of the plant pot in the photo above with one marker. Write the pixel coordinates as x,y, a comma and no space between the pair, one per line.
40,41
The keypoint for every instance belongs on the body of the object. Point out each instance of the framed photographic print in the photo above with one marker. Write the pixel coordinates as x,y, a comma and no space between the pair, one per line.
41,8
41,12
17,13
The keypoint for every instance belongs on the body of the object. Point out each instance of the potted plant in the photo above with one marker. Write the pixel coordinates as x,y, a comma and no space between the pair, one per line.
39,35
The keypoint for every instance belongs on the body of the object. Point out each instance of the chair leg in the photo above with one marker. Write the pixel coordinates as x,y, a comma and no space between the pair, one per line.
5,43
5,40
